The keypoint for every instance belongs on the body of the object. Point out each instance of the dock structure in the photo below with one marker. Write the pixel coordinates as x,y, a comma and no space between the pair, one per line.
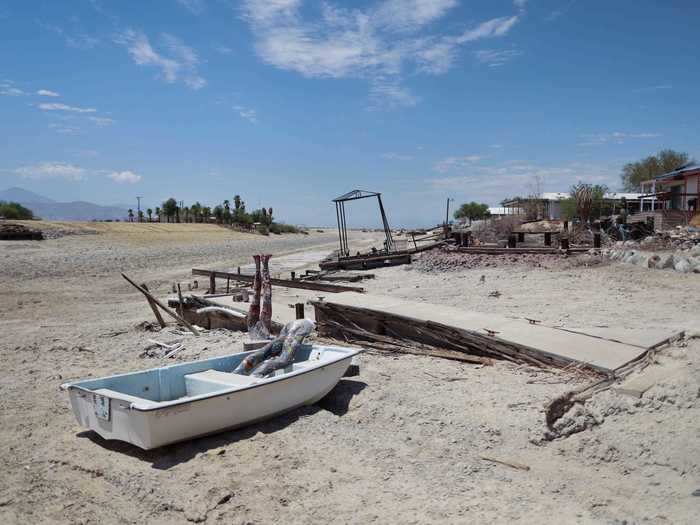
486,335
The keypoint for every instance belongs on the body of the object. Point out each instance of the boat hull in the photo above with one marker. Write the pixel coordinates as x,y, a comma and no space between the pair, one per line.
162,425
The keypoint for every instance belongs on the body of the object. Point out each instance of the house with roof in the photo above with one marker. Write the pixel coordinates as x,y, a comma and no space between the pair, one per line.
548,204
676,190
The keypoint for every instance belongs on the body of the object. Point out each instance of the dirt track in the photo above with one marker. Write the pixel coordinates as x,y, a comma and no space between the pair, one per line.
400,444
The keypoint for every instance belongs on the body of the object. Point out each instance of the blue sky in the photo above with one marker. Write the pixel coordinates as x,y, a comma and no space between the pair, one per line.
291,103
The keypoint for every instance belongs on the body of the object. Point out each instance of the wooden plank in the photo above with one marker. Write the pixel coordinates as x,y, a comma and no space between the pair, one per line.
153,306
305,285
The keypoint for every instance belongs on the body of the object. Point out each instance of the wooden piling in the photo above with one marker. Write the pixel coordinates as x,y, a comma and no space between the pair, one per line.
153,306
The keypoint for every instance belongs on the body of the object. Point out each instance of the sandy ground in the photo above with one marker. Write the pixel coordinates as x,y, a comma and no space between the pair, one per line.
401,443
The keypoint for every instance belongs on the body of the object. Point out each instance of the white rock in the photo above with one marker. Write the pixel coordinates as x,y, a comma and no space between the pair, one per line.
665,261
682,265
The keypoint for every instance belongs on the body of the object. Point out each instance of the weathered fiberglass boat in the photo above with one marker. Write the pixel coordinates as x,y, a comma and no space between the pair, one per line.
173,403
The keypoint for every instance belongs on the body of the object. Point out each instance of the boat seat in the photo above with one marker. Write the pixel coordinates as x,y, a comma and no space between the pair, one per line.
213,380
121,396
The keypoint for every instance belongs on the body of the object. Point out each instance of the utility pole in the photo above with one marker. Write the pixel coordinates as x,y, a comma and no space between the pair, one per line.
138,208
447,212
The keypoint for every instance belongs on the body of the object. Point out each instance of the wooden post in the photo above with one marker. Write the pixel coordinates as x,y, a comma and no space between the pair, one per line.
212,284
596,240
511,241
521,237
153,306
564,243
228,282
299,309
239,270
162,306
293,275
547,238
181,302
566,226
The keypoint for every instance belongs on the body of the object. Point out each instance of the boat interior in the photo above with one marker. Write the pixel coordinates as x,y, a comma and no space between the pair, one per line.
156,386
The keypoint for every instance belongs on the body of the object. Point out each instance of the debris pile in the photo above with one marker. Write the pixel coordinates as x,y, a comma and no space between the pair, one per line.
18,232
446,260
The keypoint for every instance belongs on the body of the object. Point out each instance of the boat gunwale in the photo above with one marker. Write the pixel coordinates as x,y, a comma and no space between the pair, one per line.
161,405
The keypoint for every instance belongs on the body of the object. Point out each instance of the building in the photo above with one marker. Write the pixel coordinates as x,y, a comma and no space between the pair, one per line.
676,190
548,205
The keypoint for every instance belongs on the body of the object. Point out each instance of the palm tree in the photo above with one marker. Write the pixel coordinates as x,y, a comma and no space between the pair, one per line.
131,215
196,209
140,216
149,212
219,213
170,208
158,213
227,212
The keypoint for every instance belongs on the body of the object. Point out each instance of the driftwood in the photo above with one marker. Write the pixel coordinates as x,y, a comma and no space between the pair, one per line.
167,310
562,404
512,464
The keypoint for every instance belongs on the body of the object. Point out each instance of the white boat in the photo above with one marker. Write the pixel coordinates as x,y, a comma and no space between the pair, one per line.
173,403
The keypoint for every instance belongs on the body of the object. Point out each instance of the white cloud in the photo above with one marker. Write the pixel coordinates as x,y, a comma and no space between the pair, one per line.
11,91
125,177
8,89
47,93
49,170
180,63
390,93
496,58
196,7
64,107
652,88
73,38
64,129
377,43
224,50
616,137
489,29
102,121
247,113
396,156
452,163
520,4
493,183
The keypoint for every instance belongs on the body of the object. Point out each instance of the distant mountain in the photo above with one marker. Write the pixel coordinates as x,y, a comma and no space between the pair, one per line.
21,195
62,211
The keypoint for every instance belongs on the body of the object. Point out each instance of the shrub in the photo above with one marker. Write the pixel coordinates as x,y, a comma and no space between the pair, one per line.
278,227
14,210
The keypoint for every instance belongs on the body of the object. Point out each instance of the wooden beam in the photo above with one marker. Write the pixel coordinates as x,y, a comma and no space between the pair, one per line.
153,306
305,285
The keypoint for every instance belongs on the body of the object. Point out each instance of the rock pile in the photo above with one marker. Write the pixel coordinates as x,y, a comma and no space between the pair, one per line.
685,258
435,261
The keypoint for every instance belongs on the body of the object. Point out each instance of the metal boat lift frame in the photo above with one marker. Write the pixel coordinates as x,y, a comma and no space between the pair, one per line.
342,224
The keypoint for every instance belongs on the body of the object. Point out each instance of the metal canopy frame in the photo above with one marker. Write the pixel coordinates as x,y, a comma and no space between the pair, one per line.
342,224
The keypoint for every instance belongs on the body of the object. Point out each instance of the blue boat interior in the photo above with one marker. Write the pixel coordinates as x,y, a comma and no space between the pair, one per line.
196,378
